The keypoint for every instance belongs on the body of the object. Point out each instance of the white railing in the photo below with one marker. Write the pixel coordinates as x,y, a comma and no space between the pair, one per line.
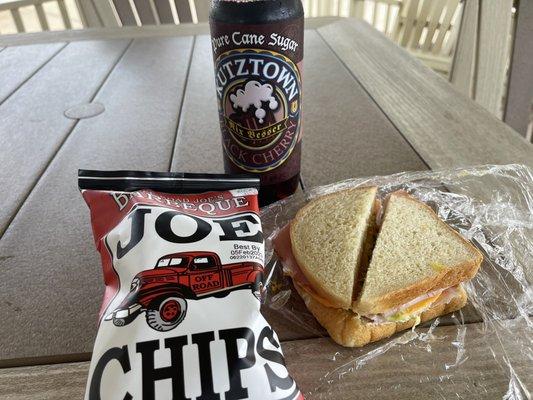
428,28
20,16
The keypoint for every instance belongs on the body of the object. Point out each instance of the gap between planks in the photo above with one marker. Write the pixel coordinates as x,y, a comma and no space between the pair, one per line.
180,109
52,56
53,156
85,357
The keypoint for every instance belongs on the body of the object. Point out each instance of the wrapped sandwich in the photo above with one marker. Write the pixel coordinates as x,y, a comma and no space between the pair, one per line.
364,281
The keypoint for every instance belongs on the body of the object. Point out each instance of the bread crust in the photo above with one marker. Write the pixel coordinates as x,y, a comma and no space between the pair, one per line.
348,329
317,286
446,278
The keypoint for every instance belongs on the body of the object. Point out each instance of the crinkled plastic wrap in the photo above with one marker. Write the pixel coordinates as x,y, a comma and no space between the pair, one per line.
483,351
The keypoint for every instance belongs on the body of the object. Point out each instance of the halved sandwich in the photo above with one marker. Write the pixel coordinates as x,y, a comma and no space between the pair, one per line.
414,275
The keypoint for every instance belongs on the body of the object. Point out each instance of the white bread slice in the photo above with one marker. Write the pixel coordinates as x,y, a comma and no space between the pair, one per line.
350,330
328,241
415,253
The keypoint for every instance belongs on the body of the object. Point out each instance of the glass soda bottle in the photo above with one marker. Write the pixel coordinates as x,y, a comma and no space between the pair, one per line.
258,55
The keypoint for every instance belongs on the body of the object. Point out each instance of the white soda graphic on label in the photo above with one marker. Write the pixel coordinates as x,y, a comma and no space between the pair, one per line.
254,93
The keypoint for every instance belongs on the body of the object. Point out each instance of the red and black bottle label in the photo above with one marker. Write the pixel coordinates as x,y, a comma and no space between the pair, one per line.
259,84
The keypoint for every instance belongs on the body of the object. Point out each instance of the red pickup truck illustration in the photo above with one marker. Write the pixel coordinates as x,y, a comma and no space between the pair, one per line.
162,292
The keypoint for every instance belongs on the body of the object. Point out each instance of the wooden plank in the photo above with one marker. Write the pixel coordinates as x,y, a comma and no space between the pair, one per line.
105,13
412,9
125,12
202,10
64,14
436,12
354,119
494,49
387,20
42,17
33,124
18,64
184,11
58,315
465,59
88,14
519,107
15,13
420,23
445,128
374,14
8,4
482,374
164,11
451,7
128,32
199,132
396,27
450,43
146,11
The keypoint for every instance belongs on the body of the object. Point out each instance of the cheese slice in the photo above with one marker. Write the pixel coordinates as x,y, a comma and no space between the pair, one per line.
282,246
413,310
415,307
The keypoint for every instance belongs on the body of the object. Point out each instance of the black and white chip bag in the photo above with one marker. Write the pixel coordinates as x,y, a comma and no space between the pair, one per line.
182,258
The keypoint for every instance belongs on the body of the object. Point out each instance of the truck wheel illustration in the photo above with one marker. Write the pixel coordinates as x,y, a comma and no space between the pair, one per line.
167,313
257,288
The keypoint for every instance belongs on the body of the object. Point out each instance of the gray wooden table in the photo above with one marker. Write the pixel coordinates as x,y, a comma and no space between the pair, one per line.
369,108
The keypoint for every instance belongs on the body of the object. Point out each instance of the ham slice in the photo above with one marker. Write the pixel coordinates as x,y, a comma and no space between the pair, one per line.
283,248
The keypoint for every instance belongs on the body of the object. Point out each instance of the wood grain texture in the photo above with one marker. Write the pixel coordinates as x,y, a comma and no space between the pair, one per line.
199,131
481,374
18,64
343,130
445,128
519,107
33,124
52,291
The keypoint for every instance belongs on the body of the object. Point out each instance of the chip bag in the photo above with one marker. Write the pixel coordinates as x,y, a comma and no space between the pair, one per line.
183,258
